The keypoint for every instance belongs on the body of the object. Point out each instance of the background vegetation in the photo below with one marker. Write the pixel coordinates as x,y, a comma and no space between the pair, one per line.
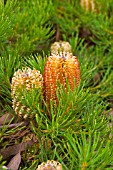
80,138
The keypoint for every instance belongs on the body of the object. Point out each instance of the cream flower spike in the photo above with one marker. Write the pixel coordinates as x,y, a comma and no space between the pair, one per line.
50,165
25,79
60,47
90,5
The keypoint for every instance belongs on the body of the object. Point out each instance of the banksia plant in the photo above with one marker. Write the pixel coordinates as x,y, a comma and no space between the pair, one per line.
24,80
60,68
59,47
50,165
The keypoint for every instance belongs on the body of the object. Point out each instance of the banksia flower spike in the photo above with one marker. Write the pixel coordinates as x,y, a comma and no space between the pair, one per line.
88,5
25,79
60,68
50,165
59,47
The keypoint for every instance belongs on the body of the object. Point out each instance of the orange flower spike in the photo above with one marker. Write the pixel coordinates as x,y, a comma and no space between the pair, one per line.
59,68
51,77
72,70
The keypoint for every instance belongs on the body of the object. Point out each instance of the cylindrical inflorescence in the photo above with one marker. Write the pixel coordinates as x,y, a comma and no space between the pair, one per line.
59,47
91,5
50,165
60,68
25,79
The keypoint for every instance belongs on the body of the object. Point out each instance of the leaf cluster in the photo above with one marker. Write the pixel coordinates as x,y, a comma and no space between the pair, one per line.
78,132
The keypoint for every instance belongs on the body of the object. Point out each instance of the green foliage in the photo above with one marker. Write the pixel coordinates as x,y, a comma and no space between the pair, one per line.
5,20
78,132
9,63
67,21
32,26
88,151
36,61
